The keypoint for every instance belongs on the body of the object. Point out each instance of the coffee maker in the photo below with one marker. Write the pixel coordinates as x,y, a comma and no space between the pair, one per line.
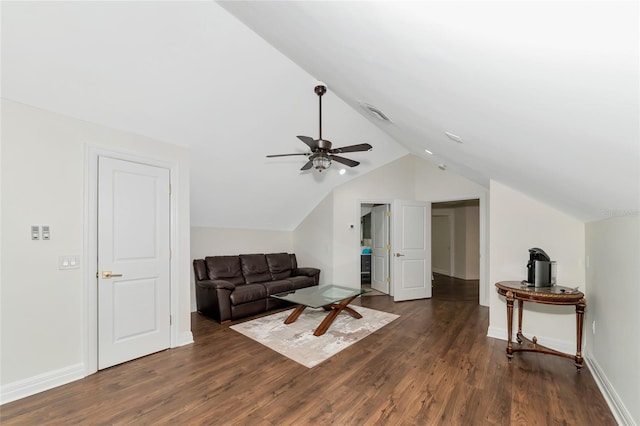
541,271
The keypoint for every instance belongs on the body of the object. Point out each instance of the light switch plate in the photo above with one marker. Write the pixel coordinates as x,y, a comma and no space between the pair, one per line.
35,232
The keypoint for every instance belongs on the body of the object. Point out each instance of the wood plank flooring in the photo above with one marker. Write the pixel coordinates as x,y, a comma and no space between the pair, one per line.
433,365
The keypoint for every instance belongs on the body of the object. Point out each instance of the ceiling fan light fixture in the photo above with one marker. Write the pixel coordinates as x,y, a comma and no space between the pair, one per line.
321,162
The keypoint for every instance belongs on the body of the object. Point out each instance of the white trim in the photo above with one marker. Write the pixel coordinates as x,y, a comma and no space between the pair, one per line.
90,345
618,409
40,383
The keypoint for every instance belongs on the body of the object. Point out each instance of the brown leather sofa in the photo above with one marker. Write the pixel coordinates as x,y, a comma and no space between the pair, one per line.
233,287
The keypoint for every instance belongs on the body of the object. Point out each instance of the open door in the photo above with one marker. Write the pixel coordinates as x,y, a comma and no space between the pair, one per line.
411,250
380,248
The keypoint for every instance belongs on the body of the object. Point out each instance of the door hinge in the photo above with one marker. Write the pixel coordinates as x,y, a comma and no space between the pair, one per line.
169,189
388,247
388,279
170,254
170,319
388,213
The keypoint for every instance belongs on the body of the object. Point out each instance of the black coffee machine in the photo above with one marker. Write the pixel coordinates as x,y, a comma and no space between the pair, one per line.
540,269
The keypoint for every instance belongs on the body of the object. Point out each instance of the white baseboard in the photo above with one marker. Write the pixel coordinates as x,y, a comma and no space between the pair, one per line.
558,345
185,338
619,410
40,383
440,271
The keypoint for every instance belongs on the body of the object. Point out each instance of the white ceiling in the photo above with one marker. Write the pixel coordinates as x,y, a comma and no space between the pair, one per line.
543,94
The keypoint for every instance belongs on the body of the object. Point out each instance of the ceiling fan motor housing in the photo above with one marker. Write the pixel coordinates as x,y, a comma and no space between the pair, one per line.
324,145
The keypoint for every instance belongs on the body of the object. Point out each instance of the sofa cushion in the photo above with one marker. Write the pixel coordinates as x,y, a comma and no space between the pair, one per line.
225,268
279,286
255,268
246,293
279,265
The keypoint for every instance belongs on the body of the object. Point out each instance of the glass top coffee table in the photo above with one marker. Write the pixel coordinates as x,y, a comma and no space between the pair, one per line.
333,298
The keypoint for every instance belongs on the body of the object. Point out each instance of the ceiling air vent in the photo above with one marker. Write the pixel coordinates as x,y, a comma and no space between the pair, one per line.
375,112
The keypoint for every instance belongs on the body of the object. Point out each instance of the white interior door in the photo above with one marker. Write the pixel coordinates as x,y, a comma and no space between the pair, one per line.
380,248
410,250
133,260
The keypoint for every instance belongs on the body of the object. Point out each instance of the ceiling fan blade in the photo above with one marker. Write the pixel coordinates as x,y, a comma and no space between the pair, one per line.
311,143
351,148
308,165
345,161
287,155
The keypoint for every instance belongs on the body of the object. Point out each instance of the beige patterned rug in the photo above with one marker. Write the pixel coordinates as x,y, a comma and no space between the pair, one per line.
297,342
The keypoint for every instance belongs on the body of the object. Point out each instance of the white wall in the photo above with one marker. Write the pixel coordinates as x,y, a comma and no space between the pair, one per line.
518,223
613,271
409,177
441,240
313,240
472,243
224,241
394,180
43,330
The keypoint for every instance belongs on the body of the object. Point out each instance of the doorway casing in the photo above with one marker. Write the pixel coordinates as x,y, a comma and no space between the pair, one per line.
90,315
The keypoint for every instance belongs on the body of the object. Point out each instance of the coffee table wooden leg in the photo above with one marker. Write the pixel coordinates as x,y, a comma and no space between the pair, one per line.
295,314
335,309
326,322
352,312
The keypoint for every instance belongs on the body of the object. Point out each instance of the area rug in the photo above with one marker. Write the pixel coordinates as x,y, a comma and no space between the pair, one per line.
297,342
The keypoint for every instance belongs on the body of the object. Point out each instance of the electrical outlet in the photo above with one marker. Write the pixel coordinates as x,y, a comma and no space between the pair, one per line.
68,262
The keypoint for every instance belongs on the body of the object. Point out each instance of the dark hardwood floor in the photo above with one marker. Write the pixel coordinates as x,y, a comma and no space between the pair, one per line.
433,365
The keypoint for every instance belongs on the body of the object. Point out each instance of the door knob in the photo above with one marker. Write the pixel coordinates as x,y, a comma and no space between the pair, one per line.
108,274
398,254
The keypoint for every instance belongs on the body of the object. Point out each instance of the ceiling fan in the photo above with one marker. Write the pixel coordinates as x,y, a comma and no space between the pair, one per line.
321,154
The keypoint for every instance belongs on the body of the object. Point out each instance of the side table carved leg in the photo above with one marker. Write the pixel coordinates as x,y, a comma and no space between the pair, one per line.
579,324
520,309
510,299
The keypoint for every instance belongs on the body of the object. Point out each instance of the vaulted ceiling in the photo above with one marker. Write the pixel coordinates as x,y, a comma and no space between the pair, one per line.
543,95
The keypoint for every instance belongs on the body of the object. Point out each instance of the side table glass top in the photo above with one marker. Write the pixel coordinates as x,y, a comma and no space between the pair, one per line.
522,286
319,296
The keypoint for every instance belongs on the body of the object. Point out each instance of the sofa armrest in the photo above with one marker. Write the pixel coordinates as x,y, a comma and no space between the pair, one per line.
216,284
212,299
308,272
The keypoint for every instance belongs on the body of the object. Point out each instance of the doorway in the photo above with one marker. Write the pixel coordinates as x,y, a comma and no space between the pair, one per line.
162,324
374,247
455,243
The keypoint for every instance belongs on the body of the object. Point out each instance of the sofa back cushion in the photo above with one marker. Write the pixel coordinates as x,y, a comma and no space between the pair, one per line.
255,268
279,265
225,268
